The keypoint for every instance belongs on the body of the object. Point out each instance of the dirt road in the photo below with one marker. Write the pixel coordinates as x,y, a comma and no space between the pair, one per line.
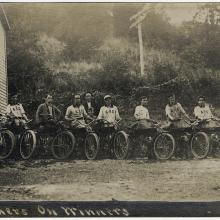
81,180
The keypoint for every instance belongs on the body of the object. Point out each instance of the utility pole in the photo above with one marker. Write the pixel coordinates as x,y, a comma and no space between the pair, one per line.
138,18
141,49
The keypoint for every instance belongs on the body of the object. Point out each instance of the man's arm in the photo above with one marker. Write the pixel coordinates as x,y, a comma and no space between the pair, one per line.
85,115
57,110
168,113
136,113
117,116
23,113
148,117
100,115
196,113
8,110
37,115
67,115
25,117
183,111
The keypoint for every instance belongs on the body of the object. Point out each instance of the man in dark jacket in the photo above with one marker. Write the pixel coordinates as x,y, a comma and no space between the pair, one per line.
47,113
89,105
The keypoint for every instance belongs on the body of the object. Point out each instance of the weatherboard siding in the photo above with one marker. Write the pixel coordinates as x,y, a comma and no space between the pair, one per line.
3,71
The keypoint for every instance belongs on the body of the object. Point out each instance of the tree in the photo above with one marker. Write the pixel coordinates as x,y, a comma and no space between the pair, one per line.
206,32
26,67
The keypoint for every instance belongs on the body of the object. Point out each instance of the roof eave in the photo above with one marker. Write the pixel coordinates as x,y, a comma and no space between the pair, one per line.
5,22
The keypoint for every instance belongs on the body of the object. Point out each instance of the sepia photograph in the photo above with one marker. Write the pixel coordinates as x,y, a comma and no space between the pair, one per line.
109,102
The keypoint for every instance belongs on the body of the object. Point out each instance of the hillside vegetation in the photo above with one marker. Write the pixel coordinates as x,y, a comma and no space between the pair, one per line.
66,48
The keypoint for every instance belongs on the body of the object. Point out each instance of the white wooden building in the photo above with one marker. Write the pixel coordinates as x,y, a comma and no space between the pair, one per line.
4,27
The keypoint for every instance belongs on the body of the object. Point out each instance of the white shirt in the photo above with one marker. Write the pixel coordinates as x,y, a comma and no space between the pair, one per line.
75,112
141,112
50,110
89,104
174,111
109,114
17,110
202,112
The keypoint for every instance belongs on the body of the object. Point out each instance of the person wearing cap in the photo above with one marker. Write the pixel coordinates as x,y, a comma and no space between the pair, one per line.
47,112
109,112
141,114
76,113
174,112
16,113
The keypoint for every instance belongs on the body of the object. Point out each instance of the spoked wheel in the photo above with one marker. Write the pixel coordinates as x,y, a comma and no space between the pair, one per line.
199,145
121,145
91,146
7,144
164,146
144,145
216,151
62,145
28,144
215,145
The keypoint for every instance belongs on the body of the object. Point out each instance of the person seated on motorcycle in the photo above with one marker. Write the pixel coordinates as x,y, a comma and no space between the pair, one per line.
89,104
47,114
174,112
76,113
142,116
109,113
15,112
202,111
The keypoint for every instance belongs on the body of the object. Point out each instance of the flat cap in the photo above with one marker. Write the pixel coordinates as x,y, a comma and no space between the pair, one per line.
77,96
107,97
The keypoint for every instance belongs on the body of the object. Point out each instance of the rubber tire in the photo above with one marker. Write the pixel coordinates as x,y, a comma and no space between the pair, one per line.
195,155
96,138
33,147
73,140
13,141
173,147
125,156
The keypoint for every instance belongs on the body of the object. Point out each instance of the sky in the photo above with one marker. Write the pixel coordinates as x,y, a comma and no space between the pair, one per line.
179,12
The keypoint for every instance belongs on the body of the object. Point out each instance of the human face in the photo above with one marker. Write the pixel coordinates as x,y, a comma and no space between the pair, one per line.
201,102
88,98
172,100
212,108
144,102
49,101
108,102
77,101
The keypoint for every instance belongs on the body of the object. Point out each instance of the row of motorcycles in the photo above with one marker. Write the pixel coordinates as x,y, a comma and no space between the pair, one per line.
97,138
62,141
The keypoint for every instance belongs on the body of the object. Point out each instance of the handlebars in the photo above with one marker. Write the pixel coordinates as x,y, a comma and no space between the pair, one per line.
27,122
196,122
97,120
116,123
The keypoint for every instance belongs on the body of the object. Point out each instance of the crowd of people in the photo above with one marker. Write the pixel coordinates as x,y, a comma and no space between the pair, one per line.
80,112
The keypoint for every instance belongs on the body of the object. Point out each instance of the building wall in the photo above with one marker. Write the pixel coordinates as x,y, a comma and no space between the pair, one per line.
3,70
